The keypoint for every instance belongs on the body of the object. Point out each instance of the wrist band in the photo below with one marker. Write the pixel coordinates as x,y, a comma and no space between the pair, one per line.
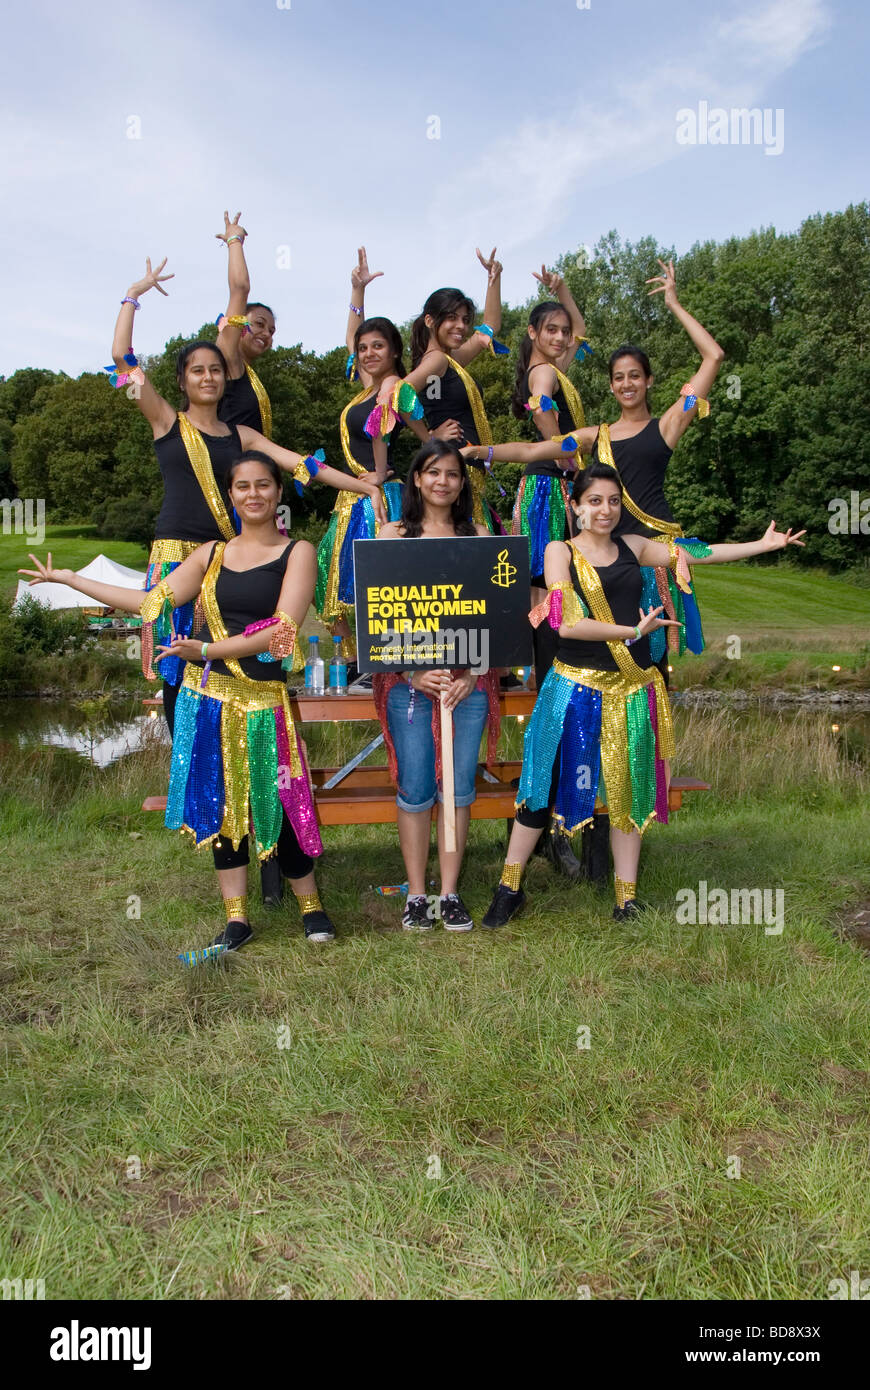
355,310
636,638
489,453
204,652
235,238
128,300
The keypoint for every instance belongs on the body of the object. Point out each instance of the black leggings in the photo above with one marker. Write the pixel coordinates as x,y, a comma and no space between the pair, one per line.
538,820
293,862
170,695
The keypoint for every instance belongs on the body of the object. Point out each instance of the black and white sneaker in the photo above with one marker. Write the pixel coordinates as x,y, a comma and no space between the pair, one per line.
317,926
454,914
417,915
505,905
234,935
632,909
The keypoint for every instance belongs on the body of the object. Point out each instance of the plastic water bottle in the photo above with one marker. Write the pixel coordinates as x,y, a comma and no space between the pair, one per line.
314,669
337,670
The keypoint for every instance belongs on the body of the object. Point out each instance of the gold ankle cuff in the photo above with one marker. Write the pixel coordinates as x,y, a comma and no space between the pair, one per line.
510,877
309,902
625,892
237,908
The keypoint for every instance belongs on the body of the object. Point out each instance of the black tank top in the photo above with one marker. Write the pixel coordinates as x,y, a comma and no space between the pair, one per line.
621,583
450,403
243,597
239,405
361,444
184,513
641,463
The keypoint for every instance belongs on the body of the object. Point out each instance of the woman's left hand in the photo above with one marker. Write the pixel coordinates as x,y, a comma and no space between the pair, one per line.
185,648
666,282
778,540
378,507
459,689
492,267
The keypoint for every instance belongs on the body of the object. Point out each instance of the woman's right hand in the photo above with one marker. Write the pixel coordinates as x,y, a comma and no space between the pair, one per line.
230,229
46,573
152,280
431,683
361,276
650,621
448,429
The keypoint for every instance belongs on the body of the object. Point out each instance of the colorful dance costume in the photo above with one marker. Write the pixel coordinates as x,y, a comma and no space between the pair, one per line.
460,400
237,763
353,517
245,400
602,714
194,467
541,510
641,463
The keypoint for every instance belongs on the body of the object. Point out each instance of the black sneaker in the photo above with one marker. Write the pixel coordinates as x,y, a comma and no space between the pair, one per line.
234,935
271,882
505,905
417,915
632,909
560,854
317,926
454,914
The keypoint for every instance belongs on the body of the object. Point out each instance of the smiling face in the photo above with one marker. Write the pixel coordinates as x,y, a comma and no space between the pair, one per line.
375,355
440,481
453,329
204,378
553,335
259,339
599,507
254,492
629,382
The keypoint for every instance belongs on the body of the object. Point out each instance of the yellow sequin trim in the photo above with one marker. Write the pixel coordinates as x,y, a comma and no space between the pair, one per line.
171,552
152,604
572,399
625,891
605,454
356,469
262,401
475,400
236,907
511,875
309,902
197,453
616,684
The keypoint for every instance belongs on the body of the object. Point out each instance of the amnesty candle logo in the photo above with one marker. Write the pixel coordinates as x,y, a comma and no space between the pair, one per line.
504,574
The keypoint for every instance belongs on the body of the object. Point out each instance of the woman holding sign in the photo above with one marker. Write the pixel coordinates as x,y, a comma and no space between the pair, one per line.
238,768
601,726
195,450
436,504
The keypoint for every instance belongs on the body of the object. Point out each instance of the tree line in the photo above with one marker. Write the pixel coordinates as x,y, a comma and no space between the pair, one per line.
788,432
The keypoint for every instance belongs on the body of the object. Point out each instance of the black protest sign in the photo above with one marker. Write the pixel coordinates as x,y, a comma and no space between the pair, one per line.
458,602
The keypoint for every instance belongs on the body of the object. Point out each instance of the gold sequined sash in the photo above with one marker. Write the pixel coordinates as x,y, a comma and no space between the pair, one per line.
605,455
572,399
200,462
356,469
475,400
262,401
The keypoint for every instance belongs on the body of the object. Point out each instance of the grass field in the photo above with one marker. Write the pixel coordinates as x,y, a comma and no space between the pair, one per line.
397,1116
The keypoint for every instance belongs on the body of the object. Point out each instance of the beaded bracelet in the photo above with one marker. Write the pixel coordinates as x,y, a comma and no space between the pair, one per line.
354,310
127,300
234,238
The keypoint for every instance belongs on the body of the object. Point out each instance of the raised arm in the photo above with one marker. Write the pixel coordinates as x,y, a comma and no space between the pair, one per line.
230,336
360,276
523,451
558,576
157,411
677,418
182,585
556,286
491,310
305,470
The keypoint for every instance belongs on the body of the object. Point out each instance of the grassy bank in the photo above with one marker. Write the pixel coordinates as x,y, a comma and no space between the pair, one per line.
288,1108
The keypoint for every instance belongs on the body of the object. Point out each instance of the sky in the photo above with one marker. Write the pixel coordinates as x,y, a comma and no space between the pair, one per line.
554,123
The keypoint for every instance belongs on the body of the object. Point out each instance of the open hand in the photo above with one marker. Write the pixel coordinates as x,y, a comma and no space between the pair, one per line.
152,280
650,621
231,228
46,573
185,648
778,540
361,276
666,283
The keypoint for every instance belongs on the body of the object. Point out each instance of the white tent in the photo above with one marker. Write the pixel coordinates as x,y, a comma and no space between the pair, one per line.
104,570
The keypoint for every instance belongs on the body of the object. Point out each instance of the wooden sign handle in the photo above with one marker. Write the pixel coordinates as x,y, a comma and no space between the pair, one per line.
447,784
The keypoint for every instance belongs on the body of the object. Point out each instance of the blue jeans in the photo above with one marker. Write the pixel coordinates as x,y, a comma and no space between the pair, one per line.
415,747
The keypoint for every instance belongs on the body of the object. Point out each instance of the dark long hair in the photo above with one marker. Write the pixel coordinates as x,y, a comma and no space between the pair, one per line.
439,306
537,318
629,350
184,356
255,304
388,330
412,498
596,472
